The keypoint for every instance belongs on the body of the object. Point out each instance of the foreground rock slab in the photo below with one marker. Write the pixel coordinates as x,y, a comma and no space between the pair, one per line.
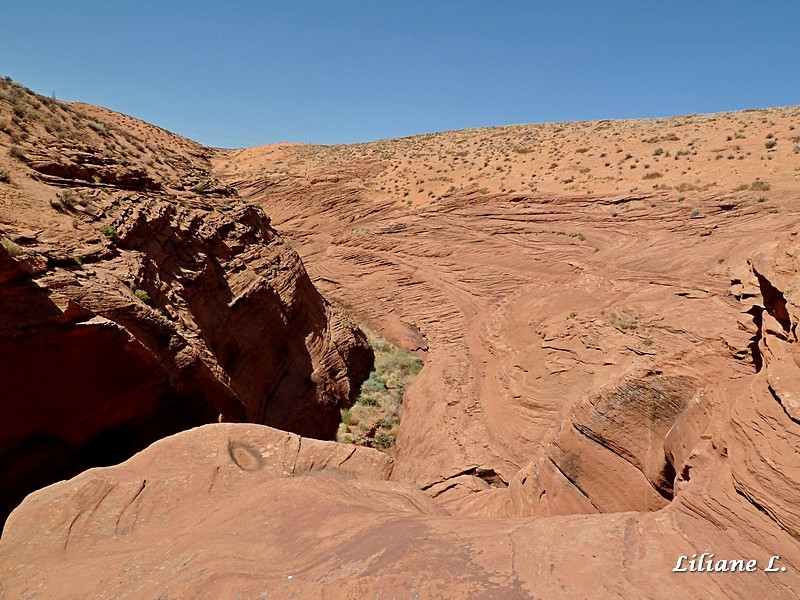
247,511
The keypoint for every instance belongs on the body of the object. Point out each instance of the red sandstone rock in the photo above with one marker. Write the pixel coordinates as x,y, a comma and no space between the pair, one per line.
243,509
584,345
598,400
187,307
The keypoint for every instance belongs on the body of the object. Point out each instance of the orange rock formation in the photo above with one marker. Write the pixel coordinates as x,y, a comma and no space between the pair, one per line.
608,315
133,314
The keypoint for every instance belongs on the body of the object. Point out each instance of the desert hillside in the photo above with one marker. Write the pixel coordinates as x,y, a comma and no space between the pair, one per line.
537,263
719,153
606,311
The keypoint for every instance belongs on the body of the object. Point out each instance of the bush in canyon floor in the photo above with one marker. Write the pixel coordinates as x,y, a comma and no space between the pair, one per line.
375,417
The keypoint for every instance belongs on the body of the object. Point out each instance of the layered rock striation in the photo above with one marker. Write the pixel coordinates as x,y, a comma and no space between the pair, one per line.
131,311
608,391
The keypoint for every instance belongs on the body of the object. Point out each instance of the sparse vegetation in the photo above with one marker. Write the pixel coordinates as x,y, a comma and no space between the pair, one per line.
374,418
623,323
142,295
108,231
5,176
12,248
98,127
68,199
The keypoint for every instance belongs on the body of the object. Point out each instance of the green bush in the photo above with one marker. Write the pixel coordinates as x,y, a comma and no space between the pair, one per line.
347,417
108,231
379,405
373,383
384,439
142,295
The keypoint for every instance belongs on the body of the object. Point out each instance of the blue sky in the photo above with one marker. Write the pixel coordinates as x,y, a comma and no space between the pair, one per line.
241,73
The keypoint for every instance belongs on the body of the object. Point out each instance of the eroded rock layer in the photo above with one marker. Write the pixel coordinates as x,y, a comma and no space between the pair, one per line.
608,315
131,312
235,509
594,312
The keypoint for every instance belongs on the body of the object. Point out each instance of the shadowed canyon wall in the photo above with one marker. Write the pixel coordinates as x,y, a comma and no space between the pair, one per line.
133,308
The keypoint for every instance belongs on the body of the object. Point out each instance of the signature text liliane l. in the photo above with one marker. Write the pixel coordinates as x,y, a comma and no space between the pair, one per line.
706,563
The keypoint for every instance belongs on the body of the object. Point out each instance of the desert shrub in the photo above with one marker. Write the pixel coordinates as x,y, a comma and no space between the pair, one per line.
98,127
5,176
384,439
769,144
653,175
142,295
760,186
68,199
373,383
12,248
108,231
375,416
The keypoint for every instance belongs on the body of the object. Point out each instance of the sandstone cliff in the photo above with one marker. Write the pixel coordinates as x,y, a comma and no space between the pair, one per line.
141,297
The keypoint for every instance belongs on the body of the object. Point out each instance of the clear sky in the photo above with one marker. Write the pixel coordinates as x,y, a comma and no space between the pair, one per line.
242,73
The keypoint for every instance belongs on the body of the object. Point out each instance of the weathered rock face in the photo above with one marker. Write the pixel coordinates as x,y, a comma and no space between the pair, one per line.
237,509
233,328
608,455
184,307
763,439
291,359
